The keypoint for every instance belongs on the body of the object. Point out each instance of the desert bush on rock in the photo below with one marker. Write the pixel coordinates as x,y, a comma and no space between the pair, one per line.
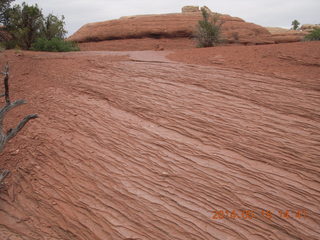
313,36
54,45
208,33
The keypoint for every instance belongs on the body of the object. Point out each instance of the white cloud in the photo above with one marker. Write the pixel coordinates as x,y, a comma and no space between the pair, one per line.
264,12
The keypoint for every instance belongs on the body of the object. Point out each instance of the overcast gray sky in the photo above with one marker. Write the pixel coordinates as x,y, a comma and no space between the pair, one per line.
275,13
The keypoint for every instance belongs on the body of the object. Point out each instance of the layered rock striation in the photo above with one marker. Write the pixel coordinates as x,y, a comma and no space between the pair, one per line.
282,35
235,30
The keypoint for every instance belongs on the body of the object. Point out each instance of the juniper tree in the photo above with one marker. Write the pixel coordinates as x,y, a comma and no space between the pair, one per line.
295,24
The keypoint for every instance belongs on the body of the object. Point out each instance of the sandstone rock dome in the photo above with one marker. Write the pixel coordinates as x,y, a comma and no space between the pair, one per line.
170,26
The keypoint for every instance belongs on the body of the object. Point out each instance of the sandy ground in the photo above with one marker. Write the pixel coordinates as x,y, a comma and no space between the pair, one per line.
132,145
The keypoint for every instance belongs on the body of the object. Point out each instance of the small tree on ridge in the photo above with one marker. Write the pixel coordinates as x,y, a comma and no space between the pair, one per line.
295,24
208,33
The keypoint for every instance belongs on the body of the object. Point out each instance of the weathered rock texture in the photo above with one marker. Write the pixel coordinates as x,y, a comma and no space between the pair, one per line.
310,27
169,26
188,9
282,35
141,148
139,44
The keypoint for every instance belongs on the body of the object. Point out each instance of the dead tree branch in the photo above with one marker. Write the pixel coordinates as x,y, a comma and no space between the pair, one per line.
6,83
14,131
5,137
3,175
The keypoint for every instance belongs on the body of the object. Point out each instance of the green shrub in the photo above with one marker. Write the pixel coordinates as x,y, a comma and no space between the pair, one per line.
313,36
53,27
295,24
11,44
208,33
2,47
26,23
54,45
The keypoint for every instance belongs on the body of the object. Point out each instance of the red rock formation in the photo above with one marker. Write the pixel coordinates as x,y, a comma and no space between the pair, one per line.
169,26
309,27
138,44
188,9
140,148
282,35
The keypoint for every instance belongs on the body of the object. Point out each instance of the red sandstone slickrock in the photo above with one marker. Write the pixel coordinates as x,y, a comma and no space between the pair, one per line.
235,30
134,145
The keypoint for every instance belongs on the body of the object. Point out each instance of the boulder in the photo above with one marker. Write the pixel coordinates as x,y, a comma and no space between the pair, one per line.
309,27
190,9
234,30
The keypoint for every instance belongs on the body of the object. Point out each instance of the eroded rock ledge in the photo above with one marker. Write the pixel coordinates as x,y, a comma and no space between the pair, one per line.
235,30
